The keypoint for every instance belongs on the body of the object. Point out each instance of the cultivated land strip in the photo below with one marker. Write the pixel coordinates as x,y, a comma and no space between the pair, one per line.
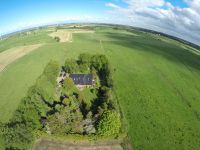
55,145
66,35
10,55
63,35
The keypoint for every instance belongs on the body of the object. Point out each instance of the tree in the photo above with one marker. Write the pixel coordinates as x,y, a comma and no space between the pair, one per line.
67,120
98,61
68,86
89,115
108,73
85,58
109,124
18,136
51,71
83,68
71,66
57,39
56,123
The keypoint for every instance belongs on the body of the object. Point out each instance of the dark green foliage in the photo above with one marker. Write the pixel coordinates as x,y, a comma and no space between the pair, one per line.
71,66
67,120
109,124
18,136
108,72
57,39
20,128
18,132
36,99
85,58
67,114
101,66
51,71
2,131
45,85
84,68
68,86
46,89
99,61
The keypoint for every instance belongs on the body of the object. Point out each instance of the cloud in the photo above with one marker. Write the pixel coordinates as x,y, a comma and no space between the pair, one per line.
162,16
112,5
145,3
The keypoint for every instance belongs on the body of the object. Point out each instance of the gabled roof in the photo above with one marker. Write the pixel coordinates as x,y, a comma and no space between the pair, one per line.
82,79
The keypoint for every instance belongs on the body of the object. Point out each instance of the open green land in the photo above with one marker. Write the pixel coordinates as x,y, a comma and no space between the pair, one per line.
157,81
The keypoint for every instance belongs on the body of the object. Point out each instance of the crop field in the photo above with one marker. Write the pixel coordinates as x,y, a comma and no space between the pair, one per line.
66,35
15,53
157,81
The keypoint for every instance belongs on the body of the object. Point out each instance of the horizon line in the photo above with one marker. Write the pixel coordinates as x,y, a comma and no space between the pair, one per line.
7,35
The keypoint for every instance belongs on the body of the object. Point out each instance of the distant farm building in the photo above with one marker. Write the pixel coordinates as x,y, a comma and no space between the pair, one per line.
82,79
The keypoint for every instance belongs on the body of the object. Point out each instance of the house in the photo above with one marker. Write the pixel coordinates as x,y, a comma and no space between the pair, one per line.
82,79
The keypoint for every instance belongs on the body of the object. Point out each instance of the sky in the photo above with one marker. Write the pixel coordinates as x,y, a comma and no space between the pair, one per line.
179,18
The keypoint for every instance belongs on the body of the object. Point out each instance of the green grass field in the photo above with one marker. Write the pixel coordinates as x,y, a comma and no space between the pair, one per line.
157,81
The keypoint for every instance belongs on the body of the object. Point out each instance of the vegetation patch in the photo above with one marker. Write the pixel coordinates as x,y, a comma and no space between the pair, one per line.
156,79
58,106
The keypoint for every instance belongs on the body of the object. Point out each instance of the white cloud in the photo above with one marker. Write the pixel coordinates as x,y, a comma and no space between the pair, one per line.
145,3
163,16
112,5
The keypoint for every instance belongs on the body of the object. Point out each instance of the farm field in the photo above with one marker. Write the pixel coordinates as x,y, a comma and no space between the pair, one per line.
66,35
13,54
157,81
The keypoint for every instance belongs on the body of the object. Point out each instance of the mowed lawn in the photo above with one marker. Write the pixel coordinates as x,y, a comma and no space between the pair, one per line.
157,84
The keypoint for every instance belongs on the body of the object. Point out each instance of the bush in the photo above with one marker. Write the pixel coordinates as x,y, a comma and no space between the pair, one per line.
68,86
57,39
85,58
71,66
109,124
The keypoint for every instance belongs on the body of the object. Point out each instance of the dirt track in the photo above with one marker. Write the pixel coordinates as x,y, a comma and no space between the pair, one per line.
10,55
53,145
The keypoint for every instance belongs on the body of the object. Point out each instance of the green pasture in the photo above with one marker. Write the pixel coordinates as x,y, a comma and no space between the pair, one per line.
157,82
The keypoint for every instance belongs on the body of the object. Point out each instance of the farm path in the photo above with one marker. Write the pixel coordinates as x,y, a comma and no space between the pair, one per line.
55,145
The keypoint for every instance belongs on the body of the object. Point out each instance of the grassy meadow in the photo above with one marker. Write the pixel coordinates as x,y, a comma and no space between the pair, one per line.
157,81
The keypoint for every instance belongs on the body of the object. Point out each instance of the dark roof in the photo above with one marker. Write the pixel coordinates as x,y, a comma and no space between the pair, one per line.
81,79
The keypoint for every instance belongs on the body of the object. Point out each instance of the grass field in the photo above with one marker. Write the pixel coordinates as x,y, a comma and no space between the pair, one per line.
22,39
157,81
10,55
